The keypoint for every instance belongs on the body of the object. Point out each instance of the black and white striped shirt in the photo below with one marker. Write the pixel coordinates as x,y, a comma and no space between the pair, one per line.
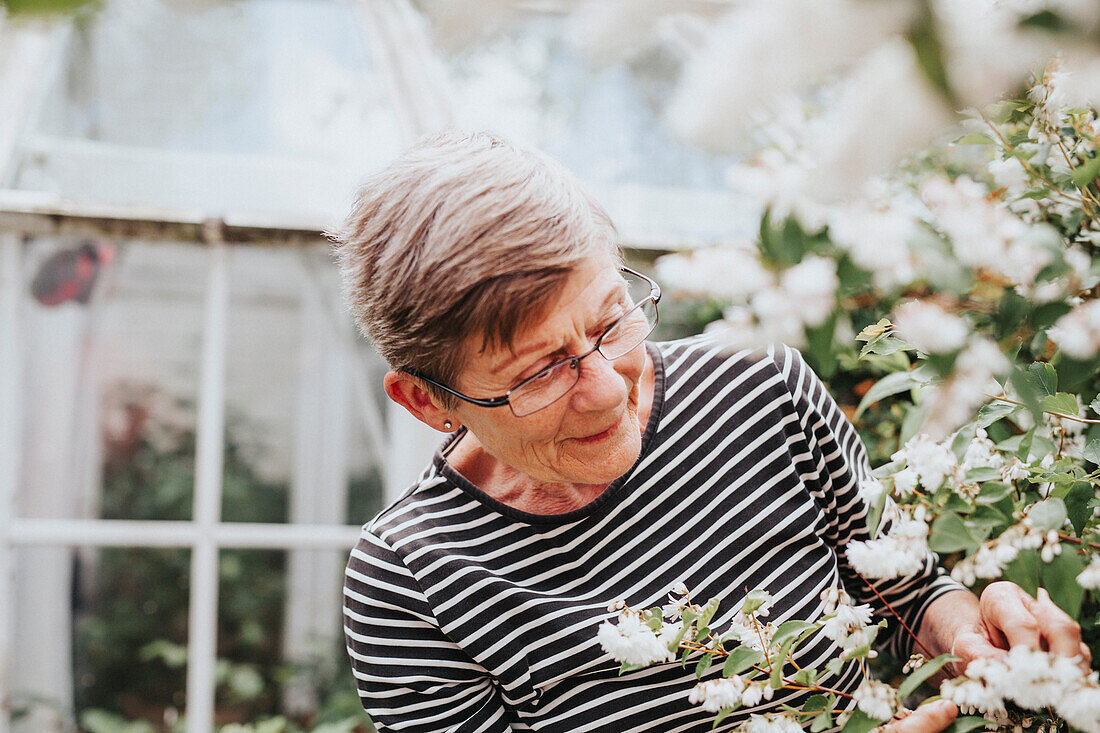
465,614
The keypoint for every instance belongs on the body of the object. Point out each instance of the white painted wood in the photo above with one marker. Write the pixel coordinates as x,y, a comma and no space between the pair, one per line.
153,533
318,494
10,450
209,460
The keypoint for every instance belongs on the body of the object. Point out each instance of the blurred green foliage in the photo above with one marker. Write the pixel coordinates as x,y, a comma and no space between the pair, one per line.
130,631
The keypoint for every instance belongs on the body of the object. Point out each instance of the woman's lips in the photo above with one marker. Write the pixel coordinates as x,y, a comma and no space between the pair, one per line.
602,435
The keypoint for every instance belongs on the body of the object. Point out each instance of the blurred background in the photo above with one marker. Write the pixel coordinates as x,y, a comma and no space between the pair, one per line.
191,429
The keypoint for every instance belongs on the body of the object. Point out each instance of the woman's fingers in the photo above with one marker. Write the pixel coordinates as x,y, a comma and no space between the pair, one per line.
1062,633
1005,607
930,718
1035,622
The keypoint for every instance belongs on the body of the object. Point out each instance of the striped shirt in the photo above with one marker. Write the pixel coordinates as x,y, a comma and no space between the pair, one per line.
465,614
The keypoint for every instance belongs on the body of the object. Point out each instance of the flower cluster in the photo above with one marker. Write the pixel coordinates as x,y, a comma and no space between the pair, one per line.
903,550
634,640
756,654
1032,679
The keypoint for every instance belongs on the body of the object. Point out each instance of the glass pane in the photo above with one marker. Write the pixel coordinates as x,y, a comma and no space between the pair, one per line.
280,640
602,122
110,378
161,103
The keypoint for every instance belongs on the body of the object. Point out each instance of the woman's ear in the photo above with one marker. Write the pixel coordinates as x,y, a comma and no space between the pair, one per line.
410,393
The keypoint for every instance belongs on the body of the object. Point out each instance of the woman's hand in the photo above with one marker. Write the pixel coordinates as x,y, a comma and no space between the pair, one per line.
1010,617
930,718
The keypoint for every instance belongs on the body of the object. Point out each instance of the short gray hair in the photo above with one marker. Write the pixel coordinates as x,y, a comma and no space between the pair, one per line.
464,235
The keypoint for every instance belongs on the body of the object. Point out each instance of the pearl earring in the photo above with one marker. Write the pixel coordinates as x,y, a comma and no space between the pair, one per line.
447,425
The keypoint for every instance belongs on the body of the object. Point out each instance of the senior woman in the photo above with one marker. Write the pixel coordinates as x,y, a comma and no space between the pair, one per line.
583,464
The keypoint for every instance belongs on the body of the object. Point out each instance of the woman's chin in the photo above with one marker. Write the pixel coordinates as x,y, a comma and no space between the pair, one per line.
607,457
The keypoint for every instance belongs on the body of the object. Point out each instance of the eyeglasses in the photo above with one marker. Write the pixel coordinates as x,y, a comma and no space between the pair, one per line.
551,383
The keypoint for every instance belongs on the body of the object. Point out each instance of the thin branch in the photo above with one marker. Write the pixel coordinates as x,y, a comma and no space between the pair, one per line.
927,651
1062,415
1054,189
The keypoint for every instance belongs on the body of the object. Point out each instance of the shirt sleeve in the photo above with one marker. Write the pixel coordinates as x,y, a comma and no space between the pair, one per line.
409,674
833,461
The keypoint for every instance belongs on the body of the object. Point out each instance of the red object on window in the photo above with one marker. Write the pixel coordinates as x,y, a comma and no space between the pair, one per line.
71,274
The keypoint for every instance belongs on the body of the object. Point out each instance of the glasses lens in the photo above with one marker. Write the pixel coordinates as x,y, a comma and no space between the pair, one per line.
630,331
543,389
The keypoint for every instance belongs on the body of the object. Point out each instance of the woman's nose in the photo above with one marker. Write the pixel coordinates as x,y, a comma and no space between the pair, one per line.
600,386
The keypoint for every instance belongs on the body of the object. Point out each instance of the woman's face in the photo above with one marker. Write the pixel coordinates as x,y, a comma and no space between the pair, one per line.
592,435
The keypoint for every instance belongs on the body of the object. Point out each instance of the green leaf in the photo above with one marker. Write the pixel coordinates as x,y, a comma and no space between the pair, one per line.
1044,377
874,514
859,722
992,492
1095,406
949,534
884,346
703,665
835,666
1084,175
790,630
926,670
824,721
816,704
975,138
807,676
819,347
875,330
740,659
965,724
891,384
993,412
982,473
1059,577
627,667
754,599
1062,402
708,611
1050,513
1092,451
1032,385
1024,450
962,440
1024,571
1077,504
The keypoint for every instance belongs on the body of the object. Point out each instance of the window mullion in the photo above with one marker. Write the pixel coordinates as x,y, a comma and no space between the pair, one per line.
209,458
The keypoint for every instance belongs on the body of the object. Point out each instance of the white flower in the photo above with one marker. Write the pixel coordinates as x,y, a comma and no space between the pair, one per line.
846,621
714,695
905,482
755,692
1033,679
903,551
1081,707
1013,470
1090,577
810,287
870,489
775,723
877,240
834,596
981,453
929,327
973,697
1077,333
931,460
1010,174
877,699
951,403
632,641
885,558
